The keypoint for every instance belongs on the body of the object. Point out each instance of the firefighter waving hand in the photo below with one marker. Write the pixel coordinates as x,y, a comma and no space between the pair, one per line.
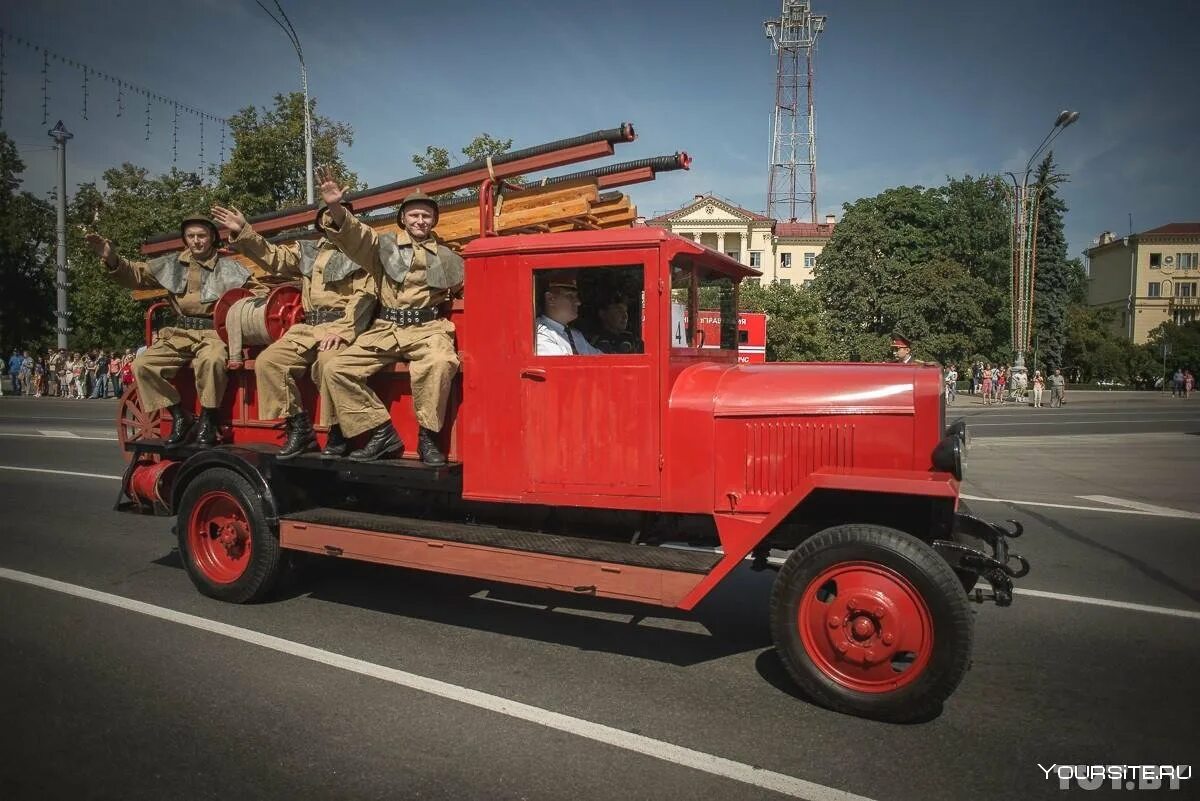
195,279
416,275
339,300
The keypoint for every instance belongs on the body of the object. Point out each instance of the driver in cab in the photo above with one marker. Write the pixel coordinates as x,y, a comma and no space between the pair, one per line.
553,334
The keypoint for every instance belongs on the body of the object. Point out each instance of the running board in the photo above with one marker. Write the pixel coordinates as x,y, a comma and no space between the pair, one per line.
642,573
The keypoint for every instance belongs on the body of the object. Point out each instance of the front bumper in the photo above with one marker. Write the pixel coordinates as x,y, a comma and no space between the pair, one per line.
979,550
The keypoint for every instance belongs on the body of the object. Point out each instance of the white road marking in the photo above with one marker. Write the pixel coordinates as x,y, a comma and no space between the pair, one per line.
1082,599
57,472
1105,509
598,732
1166,511
57,432
1072,414
65,435
971,425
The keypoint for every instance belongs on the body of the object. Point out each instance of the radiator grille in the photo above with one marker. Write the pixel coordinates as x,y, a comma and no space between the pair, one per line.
780,454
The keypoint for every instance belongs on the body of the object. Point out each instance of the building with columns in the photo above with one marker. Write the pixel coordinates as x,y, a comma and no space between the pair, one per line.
783,251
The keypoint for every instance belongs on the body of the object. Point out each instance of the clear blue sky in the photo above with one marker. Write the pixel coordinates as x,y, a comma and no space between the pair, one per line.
907,92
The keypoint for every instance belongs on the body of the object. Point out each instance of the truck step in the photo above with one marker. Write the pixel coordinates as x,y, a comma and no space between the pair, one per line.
620,553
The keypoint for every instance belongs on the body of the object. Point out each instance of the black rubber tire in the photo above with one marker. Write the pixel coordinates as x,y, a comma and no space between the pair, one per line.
926,571
265,567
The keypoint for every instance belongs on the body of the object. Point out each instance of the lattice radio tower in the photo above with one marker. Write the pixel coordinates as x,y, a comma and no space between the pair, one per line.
793,127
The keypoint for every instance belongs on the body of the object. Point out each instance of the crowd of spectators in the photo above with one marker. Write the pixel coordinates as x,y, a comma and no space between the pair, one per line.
60,373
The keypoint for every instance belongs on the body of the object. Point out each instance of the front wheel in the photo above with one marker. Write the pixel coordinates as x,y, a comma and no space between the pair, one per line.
872,622
227,546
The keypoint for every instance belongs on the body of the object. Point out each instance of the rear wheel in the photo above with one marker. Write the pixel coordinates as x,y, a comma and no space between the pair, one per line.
873,622
228,547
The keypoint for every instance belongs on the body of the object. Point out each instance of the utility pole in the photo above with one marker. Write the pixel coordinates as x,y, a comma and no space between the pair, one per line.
60,135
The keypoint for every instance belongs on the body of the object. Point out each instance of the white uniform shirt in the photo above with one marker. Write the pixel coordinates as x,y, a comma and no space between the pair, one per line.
550,337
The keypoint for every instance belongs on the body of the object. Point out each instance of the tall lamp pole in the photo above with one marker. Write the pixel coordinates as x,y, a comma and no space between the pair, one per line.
60,135
286,24
1023,203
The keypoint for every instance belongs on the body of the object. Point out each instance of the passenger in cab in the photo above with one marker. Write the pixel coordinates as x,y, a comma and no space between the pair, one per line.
553,334
614,335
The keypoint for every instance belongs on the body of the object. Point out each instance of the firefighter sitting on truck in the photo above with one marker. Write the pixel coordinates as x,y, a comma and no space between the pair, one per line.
553,333
416,275
339,299
194,279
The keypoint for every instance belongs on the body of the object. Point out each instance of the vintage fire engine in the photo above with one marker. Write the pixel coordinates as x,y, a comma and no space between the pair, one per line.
584,474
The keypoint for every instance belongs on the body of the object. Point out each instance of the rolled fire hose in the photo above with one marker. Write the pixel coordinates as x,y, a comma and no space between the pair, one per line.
246,324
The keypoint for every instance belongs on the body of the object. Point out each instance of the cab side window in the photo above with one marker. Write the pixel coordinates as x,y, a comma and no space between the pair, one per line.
592,311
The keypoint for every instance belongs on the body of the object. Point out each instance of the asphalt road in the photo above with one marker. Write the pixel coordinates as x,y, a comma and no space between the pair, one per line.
101,700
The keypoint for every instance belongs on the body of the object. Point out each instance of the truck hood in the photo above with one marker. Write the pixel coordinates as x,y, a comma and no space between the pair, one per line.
816,389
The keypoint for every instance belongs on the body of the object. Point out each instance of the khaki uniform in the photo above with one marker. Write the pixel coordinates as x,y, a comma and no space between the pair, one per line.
409,275
329,281
193,289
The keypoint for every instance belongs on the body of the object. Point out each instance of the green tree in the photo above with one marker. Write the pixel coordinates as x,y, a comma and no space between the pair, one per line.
895,264
1059,279
265,170
27,258
132,208
1183,344
437,159
796,329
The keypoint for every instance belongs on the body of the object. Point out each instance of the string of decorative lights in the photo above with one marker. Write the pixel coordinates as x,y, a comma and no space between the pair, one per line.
122,85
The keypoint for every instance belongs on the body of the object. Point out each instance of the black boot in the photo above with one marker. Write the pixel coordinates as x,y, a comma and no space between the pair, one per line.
181,425
208,432
427,446
384,440
300,437
336,444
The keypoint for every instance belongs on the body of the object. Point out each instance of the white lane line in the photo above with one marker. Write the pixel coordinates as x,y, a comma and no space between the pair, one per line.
1029,416
1105,509
598,732
971,425
57,472
1143,507
1082,599
57,432
68,435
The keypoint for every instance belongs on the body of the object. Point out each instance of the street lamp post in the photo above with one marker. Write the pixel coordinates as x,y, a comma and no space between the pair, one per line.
286,24
60,135
1024,200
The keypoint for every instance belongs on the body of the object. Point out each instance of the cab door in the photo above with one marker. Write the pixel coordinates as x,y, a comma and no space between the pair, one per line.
591,423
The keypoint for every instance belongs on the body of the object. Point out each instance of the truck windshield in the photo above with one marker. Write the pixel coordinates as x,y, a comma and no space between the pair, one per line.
703,307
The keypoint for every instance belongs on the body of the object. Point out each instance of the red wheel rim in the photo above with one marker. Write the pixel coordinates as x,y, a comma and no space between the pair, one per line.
866,627
219,537
134,424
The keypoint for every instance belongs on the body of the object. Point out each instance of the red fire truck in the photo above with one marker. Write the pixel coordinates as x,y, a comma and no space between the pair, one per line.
751,334
582,475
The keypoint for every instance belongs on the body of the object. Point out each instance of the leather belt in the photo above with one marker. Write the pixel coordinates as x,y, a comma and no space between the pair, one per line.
321,316
193,323
405,317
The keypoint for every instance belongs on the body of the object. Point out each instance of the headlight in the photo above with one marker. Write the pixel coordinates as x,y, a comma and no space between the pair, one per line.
948,455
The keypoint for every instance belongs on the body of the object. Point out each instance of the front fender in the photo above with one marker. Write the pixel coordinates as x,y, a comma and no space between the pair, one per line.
740,533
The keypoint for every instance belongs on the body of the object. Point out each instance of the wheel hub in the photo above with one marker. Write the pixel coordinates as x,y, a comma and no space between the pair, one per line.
862,622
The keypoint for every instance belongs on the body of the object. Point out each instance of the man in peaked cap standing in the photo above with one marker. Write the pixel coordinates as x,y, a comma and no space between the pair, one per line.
338,297
416,275
195,279
901,349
